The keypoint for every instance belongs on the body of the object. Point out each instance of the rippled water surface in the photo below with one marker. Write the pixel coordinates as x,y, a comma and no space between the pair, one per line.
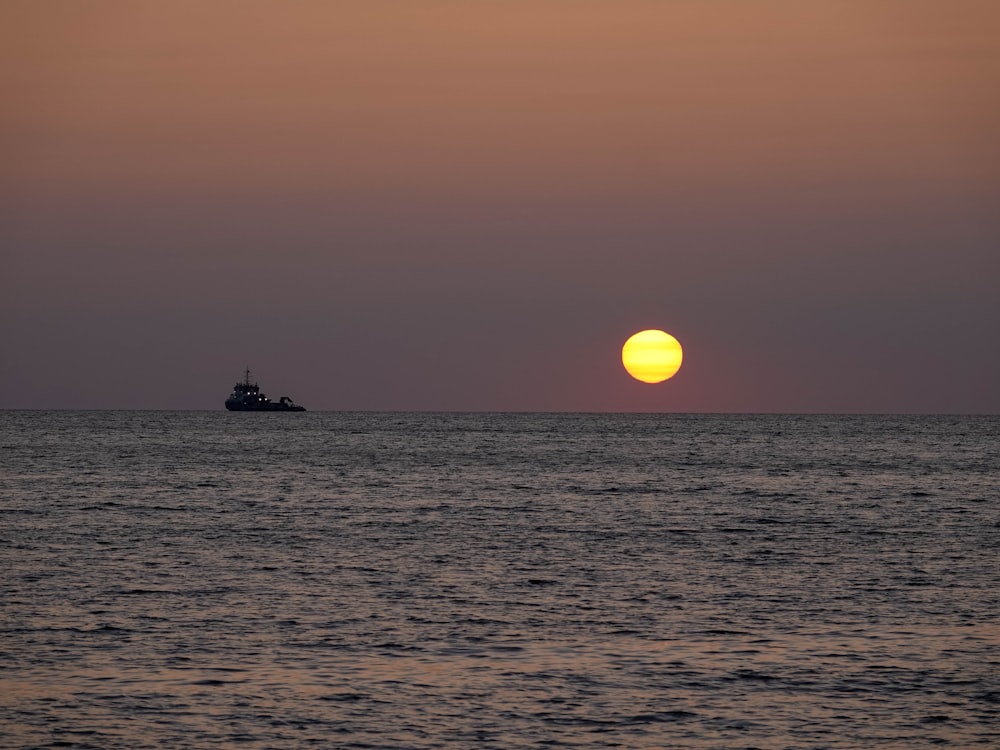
504,580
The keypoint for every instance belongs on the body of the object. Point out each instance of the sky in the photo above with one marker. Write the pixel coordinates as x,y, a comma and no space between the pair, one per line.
471,204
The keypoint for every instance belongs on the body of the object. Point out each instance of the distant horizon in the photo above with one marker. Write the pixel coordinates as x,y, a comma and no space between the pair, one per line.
529,412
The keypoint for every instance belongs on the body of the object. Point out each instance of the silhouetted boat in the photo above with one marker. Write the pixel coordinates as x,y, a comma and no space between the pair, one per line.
246,396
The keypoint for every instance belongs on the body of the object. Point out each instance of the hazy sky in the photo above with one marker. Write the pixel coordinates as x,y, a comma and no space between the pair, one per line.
471,204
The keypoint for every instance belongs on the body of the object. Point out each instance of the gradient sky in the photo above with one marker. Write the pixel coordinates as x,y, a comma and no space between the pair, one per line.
471,204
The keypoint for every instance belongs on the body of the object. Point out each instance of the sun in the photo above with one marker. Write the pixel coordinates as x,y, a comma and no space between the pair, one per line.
652,356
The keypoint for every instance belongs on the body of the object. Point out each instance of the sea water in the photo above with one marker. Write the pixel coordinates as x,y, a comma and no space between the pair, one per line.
197,579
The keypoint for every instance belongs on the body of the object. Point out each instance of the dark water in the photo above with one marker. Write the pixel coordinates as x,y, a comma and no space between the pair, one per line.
449,581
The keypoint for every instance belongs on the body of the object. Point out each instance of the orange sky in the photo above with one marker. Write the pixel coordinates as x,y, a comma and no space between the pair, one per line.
470,205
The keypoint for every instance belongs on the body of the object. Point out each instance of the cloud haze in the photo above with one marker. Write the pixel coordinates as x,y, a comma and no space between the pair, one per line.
455,205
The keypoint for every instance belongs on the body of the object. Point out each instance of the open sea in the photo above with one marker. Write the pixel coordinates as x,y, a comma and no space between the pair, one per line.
351,580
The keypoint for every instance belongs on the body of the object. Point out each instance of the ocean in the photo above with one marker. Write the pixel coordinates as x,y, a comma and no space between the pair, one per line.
417,580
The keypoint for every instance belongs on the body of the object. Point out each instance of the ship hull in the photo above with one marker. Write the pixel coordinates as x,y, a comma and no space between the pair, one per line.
236,406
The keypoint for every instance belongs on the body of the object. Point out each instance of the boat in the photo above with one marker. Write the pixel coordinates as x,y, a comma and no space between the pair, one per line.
246,396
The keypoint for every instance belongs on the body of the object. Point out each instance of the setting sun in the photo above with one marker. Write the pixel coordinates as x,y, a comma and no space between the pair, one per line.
652,356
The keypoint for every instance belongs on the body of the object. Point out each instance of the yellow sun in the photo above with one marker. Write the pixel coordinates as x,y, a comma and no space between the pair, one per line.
652,356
